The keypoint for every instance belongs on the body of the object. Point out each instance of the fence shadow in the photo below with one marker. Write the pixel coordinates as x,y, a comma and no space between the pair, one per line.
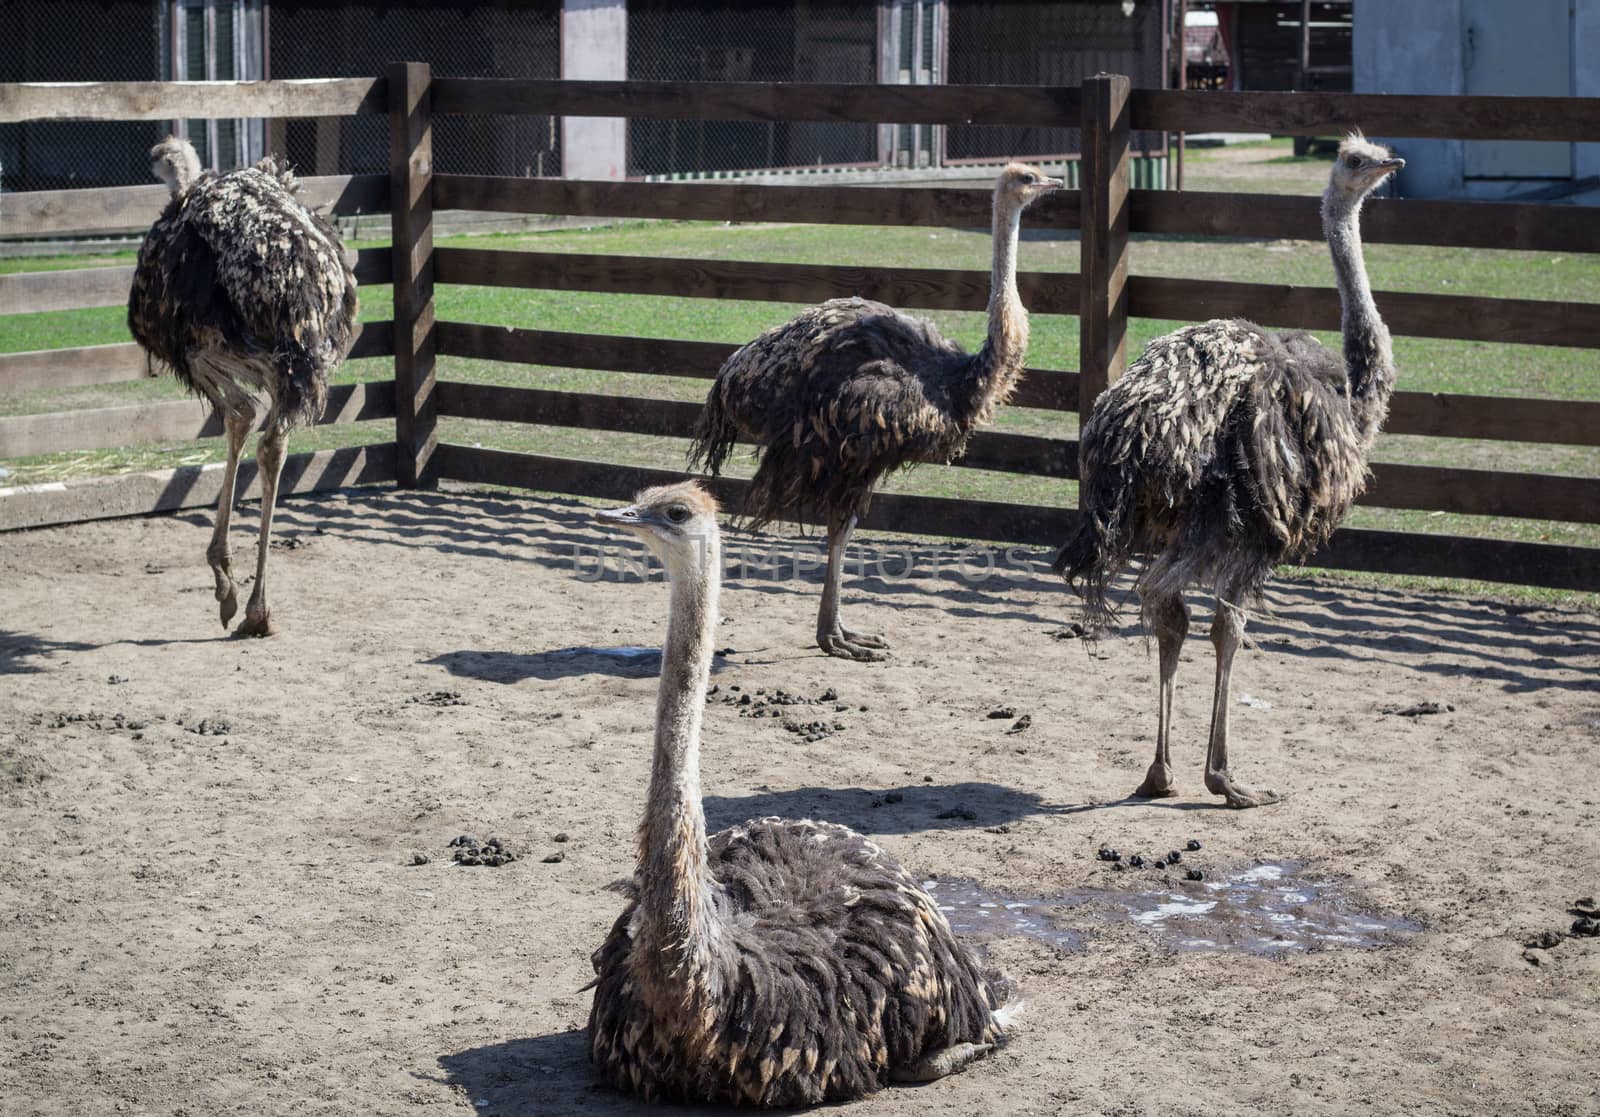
17,647
564,663
1515,647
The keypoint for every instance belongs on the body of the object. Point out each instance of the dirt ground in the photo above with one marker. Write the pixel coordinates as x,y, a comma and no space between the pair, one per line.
208,903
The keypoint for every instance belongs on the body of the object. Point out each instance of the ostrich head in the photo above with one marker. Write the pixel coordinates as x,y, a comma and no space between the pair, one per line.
1361,166
1020,184
174,162
677,522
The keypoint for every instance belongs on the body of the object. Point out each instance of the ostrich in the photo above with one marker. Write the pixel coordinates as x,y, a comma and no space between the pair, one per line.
1225,450
851,389
241,291
781,962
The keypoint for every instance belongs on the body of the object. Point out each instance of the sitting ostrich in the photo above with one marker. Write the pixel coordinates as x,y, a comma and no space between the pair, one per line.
852,389
241,290
781,962
1225,450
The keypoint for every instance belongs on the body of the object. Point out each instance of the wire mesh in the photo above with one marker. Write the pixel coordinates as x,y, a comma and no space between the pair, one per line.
507,39
1018,42
727,40
78,40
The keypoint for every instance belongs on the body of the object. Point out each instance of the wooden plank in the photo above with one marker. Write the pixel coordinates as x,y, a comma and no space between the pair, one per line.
1564,119
1467,317
1576,422
1485,492
1543,228
32,292
1103,317
653,356
190,486
922,288
374,266
937,207
111,364
172,100
96,428
735,100
1493,560
71,368
49,213
1010,453
411,206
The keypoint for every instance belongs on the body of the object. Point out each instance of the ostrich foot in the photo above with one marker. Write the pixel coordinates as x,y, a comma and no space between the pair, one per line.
841,644
865,640
1238,795
937,1064
227,598
257,622
1157,784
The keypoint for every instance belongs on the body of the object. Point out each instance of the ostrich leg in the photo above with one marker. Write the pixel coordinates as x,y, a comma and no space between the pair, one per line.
238,420
1171,623
1227,633
269,460
832,636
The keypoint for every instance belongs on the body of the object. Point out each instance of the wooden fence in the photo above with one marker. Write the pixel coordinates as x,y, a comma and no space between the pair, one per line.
1103,294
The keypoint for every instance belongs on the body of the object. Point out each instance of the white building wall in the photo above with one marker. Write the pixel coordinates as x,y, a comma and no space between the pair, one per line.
1586,76
594,45
1413,48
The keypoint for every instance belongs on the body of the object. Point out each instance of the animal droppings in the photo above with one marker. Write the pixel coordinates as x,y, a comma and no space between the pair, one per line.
1587,926
966,813
1021,723
492,853
1194,874
1136,861
1106,853
439,698
1003,712
1191,845
1173,857
419,858
1419,709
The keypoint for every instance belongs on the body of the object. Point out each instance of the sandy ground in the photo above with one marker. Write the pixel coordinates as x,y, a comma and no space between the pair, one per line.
228,921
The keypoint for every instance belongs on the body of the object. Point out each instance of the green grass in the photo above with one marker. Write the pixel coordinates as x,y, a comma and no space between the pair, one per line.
1425,364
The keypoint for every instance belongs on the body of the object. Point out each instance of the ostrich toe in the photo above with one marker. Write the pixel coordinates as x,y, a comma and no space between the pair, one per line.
840,645
1238,795
864,640
228,601
937,1064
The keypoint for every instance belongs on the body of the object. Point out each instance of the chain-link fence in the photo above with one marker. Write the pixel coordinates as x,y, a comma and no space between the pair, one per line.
78,40
1054,42
506,39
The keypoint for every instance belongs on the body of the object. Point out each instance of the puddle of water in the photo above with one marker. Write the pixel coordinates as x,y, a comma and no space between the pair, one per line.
1276,908
975,912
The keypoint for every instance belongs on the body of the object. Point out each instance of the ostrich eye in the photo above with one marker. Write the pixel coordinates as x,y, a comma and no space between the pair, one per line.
677,513
1353,162
1030,178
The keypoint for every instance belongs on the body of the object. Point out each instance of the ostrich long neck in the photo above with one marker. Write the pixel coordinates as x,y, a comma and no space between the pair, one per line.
1368,359
677,922
999,362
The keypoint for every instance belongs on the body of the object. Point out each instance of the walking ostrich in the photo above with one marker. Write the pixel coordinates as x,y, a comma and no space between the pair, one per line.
241,290
1225,450
781,962
852,389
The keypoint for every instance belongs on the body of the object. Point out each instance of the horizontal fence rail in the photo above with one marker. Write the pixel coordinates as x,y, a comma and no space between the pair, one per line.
50,213
176,100
84,288
97,428
111,364
1444,556
1306,114
1528,321
189,486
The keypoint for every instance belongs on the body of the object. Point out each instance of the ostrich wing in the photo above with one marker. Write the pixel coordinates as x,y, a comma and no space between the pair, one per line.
279,264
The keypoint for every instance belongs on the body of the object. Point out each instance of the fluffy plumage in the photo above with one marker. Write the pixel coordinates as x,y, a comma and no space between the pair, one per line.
850,390
780,962
1226,449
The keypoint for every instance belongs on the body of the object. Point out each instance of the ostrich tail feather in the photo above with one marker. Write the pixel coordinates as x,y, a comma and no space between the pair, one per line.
302,385
714,436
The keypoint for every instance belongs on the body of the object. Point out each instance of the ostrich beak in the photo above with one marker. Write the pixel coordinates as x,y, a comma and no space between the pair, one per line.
1393,164
1053,183
630,517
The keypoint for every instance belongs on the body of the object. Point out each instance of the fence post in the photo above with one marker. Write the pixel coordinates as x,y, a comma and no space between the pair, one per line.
1103,266
411,216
